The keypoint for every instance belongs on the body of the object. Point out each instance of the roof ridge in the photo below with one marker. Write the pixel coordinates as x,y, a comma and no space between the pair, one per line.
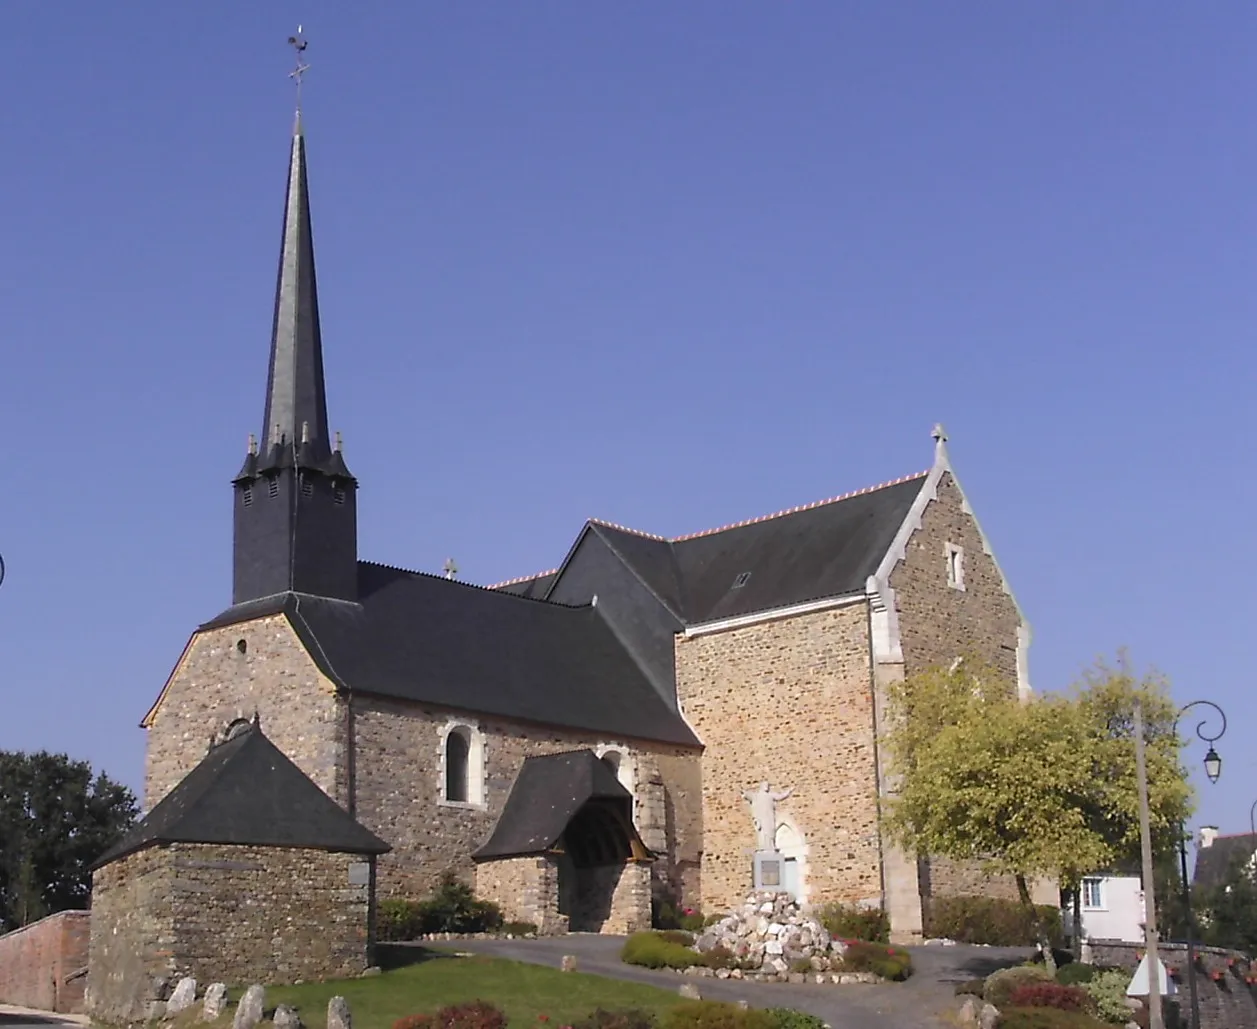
520,578
798,508
630,531
472,586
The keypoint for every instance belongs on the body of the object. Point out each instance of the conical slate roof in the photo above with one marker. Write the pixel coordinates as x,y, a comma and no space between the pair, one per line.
246,792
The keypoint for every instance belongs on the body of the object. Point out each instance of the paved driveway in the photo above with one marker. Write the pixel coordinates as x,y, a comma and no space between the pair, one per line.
921,1003
24,1018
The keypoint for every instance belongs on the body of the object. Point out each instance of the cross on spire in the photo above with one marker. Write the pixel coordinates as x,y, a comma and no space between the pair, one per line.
299,44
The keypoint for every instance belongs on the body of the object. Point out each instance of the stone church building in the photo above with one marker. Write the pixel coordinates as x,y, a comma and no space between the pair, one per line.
574,741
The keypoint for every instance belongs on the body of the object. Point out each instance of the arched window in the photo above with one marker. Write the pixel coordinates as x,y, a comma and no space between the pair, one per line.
612,760
457,750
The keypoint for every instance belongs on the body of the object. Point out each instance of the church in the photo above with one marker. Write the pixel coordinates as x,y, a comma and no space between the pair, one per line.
655,719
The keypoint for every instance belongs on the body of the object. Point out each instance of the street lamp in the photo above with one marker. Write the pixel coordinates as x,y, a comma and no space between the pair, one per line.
1213,769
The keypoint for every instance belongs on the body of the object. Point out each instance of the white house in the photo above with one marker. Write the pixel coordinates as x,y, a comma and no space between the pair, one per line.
1112,909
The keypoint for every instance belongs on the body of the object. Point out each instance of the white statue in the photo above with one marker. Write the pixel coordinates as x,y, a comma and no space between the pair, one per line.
764,812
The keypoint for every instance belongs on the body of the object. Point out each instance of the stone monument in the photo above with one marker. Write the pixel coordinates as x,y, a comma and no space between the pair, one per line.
767,866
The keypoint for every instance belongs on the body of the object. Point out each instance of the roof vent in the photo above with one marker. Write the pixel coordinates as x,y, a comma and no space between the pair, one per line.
741,580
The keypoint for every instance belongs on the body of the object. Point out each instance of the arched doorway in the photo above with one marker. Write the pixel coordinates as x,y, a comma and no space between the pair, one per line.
790,844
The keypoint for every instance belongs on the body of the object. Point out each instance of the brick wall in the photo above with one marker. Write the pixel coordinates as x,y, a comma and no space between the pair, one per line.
216,682
41,964
223,914
789,702
398,787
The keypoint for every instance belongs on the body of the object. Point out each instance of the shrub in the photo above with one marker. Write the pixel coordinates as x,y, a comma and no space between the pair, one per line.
692,921
651,950
718,957
1075,974
1052,995
1000,985
788,1018
1107,990
1047,1018
1001,923
476,1015
803,965
632,1018
971,987
680,936
710,1014
849,922
453,908
888,962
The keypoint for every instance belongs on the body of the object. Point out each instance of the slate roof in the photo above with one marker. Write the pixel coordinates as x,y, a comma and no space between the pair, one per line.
1213,863
434,640
246,792
548,793
821,550
535,586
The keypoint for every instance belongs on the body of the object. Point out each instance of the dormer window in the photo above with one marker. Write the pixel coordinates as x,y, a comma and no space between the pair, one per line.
955,566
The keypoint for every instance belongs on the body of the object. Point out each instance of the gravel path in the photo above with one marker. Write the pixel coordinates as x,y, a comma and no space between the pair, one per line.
923,1002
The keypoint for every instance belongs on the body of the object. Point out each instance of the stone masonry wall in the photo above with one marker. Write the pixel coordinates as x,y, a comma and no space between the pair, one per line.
398,787
939,623
790,702
527,890
131,935
41,963
222,914
630,900
217,683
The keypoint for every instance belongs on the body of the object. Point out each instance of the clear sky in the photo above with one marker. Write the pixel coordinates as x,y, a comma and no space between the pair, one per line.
669,264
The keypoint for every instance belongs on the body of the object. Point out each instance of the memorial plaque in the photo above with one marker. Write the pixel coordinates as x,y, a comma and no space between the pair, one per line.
770,873
360,873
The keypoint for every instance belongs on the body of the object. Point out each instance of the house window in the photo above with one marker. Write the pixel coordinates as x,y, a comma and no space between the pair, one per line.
955,566
461,772
1092,894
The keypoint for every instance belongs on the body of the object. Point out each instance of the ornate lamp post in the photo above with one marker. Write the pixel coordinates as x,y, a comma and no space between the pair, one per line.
1213,769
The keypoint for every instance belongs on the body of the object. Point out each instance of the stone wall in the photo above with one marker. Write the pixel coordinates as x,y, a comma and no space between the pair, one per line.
527,890
939,623
398,787
791,702
217,682
630,900
42,964
1225,1004
224,914
132,932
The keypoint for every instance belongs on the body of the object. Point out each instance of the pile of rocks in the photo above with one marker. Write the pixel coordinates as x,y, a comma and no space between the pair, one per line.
772,936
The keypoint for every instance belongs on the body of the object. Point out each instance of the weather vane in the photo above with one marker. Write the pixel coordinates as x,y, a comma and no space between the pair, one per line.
299,44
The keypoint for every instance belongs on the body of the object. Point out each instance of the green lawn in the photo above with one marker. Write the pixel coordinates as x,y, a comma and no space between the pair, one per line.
523,991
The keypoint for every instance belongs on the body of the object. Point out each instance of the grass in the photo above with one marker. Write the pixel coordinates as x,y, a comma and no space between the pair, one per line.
435,979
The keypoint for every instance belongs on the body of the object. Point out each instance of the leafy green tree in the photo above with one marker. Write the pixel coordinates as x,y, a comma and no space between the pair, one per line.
1040,788
56,819
1228,910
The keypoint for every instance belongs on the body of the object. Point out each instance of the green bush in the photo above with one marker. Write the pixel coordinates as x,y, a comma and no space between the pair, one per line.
788,1018
1075,974
710,1014
888,962
1047,1018
1107,989
633,1018
453,908
718,957
971,987
849,922
1052,995
1001,985
651,950
685,939
1001,923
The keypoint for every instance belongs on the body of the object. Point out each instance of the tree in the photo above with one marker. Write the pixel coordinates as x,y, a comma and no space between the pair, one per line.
56,819
1228,909
1040,788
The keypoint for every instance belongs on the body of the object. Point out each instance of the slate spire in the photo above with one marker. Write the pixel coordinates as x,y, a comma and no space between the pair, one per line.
296,395
296,508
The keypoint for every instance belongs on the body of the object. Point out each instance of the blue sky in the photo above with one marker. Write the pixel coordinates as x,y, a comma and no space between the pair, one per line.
672,265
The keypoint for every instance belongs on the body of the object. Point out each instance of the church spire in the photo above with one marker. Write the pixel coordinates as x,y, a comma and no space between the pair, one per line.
296,396
296,509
